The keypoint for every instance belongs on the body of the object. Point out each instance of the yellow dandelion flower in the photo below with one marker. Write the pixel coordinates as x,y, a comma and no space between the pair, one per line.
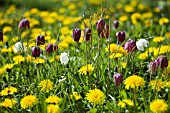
39,60
8,66
157,83
129,9
135,17
53,109
68,39
76,95
116,55
57,57
8,103
143,56
125,102
115,48
167,35
62,10
95,2
46,85
18,59
53,99
134,81
2,71
158,106
147,15
163,21
124,64
28,101
123,18
29,58
6,50
86,69
7,29
158,39
63,45
34,11
95,96
8,91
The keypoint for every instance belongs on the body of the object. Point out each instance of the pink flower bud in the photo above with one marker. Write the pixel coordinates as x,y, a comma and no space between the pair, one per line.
152,67
40,40
120,36
76,34
162,62
118,79
130,45
100,24
87,34
116,23
49,48
35,51
1,36
24,23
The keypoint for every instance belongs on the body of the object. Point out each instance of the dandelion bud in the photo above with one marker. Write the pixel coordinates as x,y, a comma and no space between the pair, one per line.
24,23
64,58
35,51
116,23
87,34
105,32
162,62
120,36
49,48
130,45
1,36
118,79
76,34
100,24
40,40
152,67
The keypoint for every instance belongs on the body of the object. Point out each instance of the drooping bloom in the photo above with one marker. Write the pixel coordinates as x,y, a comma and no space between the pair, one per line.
64,58
8,91
24,23
134,81
49,48
130,45
8,103
95,96
53,109
35,51
100,24
162,62
87,34
116,23
152,67
19,47
120,36
86,69
141,43
53,99
1,36
46,85
158,106
28,101
125,102
40,40
76,34
105,32
118,79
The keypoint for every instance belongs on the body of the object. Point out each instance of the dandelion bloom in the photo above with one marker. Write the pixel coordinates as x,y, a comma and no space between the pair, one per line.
158,39
8,91
125,102
28,101
134,81
8,103
46,85
158,106
86,69
76,95
95,96
158,84
163,20
53,108
53,99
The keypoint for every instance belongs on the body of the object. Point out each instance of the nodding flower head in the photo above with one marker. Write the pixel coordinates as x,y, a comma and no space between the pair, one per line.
120,36
118,79
105,32
100,24
40,40
76,34
35,51
116,23
24,23
162,62
87,34
130,45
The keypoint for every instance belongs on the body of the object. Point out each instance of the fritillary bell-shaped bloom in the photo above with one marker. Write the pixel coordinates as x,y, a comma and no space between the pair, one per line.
162,62
118,79
40,40
64,58
116,23
120,36
35,51
130,45
105,32
49,48
87,34
152,67
95,96
141,43
100,24
76,34
28,101
1,36
158,106
24,23
134,82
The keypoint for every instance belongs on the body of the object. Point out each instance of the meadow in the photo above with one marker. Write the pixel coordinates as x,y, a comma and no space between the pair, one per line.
88,56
